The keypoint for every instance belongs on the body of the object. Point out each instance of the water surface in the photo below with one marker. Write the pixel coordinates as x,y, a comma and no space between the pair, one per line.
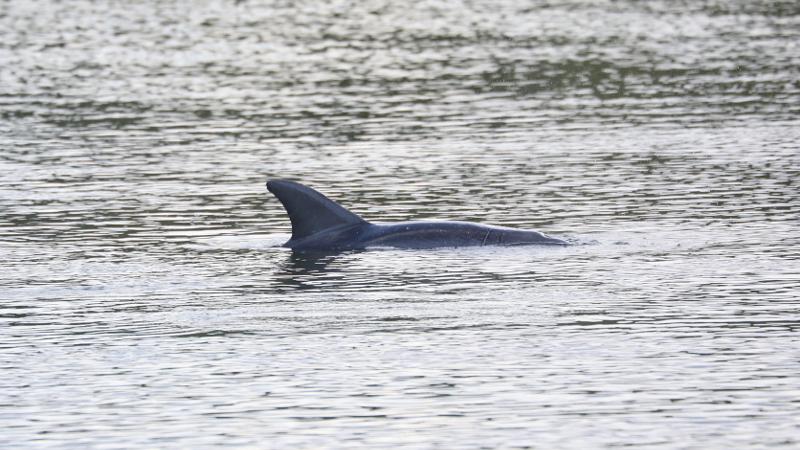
146,301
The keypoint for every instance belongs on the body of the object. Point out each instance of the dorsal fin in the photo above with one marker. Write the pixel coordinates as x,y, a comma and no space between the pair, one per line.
310,211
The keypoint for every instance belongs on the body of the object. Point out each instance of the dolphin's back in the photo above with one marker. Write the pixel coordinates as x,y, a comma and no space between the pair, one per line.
427,234
319,223
433,234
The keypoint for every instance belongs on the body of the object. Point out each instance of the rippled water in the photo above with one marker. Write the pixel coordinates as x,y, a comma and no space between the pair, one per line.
146,302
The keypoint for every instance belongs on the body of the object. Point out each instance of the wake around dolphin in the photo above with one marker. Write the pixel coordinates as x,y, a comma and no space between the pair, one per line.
320,224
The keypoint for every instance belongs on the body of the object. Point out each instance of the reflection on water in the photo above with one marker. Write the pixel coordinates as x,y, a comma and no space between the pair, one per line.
146,301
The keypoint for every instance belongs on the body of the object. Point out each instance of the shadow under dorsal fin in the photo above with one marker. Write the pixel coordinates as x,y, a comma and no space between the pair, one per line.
310,211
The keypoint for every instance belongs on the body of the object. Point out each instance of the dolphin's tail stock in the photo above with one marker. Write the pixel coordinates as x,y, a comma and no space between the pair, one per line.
310,211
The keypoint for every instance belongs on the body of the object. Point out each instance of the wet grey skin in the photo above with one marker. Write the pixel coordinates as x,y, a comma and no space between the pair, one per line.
320,224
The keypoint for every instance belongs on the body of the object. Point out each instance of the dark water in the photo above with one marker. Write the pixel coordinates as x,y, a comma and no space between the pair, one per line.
144,303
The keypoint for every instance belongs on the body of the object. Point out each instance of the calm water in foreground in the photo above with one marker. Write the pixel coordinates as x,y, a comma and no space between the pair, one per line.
145,301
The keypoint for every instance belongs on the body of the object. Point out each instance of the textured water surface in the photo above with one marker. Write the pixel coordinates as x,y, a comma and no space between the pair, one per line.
145,300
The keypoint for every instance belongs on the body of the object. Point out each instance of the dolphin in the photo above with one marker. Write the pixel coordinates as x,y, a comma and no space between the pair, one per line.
320,224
